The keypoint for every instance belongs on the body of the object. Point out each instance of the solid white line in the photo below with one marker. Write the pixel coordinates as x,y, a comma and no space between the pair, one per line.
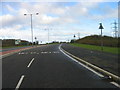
19,83
81,63
116,84
30,63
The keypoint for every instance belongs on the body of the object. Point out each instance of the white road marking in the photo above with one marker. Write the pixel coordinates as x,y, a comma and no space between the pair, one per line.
49,52
22,53
55,52
81,63
19,83
30,63
116,84
44,52
26,53
31,52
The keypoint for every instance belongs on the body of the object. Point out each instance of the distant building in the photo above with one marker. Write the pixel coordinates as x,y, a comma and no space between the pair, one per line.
8,42
14,42
24,42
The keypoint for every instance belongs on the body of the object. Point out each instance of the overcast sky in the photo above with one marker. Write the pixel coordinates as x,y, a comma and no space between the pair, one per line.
63,19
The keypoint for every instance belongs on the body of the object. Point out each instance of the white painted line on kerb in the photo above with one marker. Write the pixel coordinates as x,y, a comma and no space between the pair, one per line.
30,63
19,83
81,63
116,84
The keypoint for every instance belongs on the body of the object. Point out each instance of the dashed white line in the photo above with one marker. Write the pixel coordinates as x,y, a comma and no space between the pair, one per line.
30,63
19,83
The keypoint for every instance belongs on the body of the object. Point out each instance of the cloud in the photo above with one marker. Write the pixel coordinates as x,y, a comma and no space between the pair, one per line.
6,19
10,8
42,18
104,13
60,15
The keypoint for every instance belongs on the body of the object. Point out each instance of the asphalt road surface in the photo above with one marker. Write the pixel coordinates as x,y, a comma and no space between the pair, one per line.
47,67
107,61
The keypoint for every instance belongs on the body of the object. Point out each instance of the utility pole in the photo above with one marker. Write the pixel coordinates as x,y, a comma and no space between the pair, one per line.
35,40
31,29
115,28
74,36
31,25
78,35
48,35
101,27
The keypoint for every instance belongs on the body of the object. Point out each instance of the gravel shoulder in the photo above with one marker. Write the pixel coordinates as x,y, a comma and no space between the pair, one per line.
107,61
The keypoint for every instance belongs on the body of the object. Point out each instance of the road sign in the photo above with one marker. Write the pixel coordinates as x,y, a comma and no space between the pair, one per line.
101,27
17,41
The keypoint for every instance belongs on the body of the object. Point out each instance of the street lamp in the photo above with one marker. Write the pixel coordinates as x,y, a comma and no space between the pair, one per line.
35,40
48,34
101,27
31,25
74,36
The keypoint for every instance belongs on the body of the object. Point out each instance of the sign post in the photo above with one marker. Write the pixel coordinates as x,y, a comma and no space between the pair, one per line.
101,27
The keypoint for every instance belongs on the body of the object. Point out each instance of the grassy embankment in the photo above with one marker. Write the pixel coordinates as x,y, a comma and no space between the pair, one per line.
113,50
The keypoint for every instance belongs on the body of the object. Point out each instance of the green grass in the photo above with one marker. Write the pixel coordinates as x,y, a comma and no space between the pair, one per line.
113,50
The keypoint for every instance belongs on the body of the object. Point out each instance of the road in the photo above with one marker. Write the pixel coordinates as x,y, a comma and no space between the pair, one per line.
47,67
107,61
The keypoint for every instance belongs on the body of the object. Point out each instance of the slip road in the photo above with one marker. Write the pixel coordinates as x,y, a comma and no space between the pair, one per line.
47,67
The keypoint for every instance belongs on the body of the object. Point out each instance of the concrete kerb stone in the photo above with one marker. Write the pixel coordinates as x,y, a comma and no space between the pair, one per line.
112,76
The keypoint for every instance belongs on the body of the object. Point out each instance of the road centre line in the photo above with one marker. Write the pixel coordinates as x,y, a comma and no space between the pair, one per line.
19,83
30,63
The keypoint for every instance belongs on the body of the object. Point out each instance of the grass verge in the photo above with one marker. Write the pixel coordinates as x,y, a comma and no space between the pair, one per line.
113,50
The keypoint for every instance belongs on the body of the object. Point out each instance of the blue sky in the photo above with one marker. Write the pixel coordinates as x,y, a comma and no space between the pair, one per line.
64,19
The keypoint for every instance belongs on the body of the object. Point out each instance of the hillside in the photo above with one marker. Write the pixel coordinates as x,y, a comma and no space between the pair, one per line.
96,40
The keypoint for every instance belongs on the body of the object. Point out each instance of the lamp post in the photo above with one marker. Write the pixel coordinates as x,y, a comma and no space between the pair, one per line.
101,27
31,25
48,35
35,41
